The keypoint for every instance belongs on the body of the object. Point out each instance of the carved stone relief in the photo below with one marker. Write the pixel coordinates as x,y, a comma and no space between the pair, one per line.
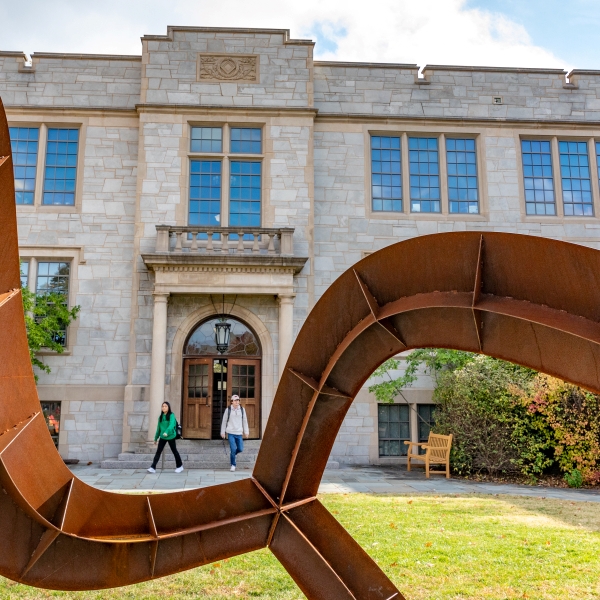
227,67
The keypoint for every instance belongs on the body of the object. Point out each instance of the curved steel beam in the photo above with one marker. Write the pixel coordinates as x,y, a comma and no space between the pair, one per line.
529,300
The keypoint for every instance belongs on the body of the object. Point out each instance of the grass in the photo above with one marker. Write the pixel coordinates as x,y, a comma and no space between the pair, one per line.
432,547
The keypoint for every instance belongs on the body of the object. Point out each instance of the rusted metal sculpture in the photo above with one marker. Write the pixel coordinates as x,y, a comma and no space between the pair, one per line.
530,300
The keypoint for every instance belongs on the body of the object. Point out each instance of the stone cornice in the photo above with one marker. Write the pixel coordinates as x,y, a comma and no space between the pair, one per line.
308,111
71,110
323,117
203,263
234,30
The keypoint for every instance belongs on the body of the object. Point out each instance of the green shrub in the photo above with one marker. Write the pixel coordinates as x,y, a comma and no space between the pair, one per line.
574,479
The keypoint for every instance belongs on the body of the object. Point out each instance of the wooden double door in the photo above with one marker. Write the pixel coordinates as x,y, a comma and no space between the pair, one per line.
208,384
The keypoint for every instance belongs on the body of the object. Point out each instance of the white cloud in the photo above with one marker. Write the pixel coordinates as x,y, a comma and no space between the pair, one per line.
426,31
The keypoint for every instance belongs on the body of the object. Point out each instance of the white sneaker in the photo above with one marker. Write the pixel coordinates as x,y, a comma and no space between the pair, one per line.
179,469
151,470
232,468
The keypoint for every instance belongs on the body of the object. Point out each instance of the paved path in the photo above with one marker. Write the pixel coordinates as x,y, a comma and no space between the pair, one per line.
347,480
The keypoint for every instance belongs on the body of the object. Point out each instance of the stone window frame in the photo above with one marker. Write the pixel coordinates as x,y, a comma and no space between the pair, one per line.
44,124
555,136
426,131
74,255
225,156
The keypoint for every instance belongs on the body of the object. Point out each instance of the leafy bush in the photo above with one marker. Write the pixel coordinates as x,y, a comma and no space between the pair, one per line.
505,418
574,479
477,403
45,316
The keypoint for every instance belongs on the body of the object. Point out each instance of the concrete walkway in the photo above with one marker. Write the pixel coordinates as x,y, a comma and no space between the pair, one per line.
346,480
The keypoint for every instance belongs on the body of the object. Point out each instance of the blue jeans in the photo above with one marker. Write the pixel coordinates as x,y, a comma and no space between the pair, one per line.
236,444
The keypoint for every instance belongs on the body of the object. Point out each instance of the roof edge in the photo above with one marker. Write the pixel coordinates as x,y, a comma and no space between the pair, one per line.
492,69
365,65
172,28
75,56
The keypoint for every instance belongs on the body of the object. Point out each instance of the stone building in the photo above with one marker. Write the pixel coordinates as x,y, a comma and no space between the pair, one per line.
225,174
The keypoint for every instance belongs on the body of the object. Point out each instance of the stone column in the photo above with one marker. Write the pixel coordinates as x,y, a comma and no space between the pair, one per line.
159,360
286,328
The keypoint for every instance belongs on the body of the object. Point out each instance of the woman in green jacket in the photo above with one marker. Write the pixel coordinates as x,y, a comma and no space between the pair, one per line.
166,431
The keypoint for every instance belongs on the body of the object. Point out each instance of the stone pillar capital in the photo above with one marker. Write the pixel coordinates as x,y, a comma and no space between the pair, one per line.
160,296
286,298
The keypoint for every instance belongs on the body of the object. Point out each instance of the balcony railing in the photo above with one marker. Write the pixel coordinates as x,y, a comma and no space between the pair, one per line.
225,240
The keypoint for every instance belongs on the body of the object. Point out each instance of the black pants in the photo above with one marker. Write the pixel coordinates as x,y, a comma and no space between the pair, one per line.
161,446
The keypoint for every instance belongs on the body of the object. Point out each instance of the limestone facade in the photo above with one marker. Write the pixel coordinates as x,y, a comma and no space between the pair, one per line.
135,116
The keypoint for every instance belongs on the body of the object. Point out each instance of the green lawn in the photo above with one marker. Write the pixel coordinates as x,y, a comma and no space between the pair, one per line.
446,547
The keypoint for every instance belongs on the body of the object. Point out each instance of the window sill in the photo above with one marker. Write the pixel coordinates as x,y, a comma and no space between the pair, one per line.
47,208
412,216
66,352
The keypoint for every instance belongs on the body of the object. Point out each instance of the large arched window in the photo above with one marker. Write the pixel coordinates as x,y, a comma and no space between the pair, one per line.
243,341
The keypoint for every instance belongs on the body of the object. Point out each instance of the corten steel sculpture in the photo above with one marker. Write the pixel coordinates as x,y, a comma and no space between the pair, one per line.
530,300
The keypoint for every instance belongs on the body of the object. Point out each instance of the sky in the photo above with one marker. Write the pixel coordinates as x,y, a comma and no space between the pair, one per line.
514,33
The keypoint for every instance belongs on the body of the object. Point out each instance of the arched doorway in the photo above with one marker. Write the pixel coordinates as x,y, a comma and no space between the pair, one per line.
210,378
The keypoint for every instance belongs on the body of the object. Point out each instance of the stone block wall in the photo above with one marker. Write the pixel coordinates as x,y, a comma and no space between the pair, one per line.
71,80
456,92
102,229
91,430
170,68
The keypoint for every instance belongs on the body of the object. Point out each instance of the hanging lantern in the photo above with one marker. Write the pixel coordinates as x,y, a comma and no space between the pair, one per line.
222,333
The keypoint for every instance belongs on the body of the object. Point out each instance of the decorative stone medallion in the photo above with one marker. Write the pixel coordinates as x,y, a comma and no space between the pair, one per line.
228,67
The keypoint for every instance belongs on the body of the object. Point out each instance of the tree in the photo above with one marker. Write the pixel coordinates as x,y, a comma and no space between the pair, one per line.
47,317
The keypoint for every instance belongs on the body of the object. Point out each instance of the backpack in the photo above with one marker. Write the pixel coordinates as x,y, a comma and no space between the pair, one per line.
178,430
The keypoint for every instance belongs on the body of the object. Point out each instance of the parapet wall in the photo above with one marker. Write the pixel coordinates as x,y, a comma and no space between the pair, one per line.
456,92
196,66
70,80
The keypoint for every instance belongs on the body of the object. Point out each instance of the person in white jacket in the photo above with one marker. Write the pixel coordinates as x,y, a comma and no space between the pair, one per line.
235,425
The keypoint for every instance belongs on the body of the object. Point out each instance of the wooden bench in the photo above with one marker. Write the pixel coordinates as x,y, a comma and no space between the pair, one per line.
437,452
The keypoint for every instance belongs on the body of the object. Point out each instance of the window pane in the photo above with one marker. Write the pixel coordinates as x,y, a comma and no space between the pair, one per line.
426,420
575,176
537,177
24,146
598,158
244,195
53,278
386,176
206,139
61,166
462,176
24,273
424,175
394,429
246,140
205,194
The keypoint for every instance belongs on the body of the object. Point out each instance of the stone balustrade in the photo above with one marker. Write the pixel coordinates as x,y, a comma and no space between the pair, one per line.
224,240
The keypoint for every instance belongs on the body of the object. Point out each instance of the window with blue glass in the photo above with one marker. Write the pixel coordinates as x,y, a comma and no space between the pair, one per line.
575,177
53,278
244,194
24,145
462,176
61,166
24,273
205,193
537,175
386,175
598,159
206,139
424,175
246,140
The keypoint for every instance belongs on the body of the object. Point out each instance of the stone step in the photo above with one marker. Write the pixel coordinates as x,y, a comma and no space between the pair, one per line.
170,464
211,447
205,464
130,457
